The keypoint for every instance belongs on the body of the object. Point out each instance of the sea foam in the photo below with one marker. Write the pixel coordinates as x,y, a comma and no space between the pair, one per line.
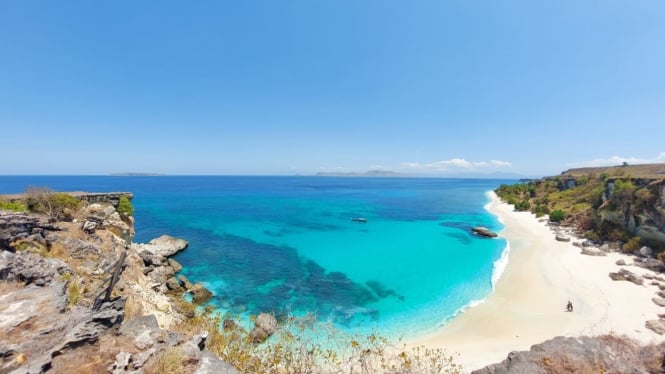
500,265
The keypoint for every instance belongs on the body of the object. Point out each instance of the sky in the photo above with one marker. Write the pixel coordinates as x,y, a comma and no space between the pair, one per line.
438,88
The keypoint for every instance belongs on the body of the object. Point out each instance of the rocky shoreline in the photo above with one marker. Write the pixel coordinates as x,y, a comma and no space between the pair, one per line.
77,295
53,273
648,271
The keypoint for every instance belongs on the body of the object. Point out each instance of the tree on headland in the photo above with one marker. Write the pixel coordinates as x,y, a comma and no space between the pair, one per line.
58,205
125,206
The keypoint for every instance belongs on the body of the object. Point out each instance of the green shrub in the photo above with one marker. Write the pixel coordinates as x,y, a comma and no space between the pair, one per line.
633,244
73,293
557,215
14,206
522,205
541,210
592,235
624,190
125,206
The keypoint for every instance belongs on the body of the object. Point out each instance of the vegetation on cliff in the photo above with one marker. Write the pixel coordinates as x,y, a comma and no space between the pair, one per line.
612,206
125,206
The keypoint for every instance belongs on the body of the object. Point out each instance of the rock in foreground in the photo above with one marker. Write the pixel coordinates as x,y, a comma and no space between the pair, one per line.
604,354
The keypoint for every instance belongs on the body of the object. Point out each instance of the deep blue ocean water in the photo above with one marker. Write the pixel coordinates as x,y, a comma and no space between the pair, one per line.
288,244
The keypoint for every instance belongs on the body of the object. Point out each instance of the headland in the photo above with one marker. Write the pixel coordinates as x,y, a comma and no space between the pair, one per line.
528,304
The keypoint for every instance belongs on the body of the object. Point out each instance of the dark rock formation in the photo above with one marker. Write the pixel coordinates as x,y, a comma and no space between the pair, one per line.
647,222
484,232
31,268
650,263
17,226
627,275
93,325
604,354
200,294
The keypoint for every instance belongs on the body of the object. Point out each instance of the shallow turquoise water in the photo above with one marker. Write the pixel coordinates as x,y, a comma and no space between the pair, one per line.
287,244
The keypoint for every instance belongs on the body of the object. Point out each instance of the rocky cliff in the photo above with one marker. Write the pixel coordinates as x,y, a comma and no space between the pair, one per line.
76,295
641,211
614,204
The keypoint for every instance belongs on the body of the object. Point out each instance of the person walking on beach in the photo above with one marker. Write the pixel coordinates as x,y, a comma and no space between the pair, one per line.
569,306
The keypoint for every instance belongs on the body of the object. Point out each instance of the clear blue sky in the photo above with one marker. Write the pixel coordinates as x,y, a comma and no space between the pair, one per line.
284,87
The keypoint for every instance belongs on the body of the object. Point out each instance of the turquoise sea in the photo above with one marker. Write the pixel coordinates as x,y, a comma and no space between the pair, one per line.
288,244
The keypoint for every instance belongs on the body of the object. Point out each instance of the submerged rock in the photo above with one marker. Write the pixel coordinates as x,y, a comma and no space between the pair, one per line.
264,327
200,294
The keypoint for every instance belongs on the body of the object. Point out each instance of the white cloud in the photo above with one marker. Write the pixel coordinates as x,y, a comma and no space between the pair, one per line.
333,169
456,164
618,160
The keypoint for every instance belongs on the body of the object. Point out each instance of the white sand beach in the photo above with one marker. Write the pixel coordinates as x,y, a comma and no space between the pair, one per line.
528,304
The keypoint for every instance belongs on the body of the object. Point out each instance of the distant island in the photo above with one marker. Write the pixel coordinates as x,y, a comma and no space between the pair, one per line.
136,174
369,173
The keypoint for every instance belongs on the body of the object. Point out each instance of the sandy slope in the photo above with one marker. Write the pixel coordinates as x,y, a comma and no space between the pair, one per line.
528,305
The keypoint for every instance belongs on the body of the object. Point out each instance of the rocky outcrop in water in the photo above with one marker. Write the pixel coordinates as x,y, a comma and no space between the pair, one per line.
264,327
164,246
483,232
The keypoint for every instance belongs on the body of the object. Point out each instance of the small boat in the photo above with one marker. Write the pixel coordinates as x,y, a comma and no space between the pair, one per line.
359,219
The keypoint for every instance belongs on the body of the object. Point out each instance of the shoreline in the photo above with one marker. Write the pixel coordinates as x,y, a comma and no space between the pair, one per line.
527,305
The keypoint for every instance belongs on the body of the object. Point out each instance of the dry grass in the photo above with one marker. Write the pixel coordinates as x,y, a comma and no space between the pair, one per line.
169,361
133,308
655,171
83,360
620,352
9,287
304,345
